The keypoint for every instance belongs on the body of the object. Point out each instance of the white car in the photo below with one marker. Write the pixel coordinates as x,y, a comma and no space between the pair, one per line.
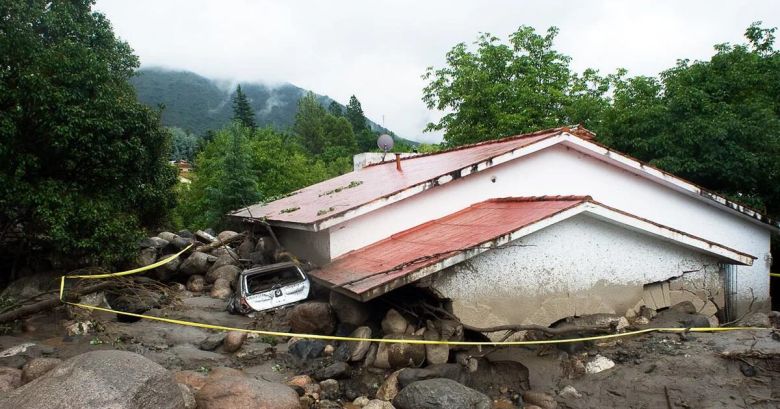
268,287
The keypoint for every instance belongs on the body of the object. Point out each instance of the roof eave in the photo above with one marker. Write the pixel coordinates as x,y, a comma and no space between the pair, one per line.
667,179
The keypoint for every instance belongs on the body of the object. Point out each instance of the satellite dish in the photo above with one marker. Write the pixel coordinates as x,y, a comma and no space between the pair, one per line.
385,142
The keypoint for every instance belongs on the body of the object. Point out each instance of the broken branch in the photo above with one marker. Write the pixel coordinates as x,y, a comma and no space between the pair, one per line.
219,243
48,304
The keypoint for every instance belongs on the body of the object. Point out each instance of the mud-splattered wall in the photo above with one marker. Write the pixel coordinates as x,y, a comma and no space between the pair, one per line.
578,266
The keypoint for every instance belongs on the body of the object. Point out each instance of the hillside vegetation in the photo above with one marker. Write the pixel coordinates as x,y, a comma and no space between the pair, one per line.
198,104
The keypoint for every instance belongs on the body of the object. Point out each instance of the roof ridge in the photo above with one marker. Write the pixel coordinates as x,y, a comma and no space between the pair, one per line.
559,129
543,198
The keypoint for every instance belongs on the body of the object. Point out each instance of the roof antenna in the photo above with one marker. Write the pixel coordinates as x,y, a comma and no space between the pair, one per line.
385,143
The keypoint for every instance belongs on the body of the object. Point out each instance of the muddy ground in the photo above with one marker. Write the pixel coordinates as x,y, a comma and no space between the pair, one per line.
651,371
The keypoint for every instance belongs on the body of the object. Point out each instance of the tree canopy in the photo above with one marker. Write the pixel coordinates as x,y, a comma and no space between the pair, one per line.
715,122
501,89
83,165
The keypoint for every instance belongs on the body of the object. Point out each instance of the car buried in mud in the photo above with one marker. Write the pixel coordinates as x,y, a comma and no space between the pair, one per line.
269,287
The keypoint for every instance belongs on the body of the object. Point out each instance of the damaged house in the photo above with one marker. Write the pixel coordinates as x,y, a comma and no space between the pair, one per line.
528,229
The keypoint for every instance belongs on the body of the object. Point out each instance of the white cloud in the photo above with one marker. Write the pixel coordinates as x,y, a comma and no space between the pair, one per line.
378,50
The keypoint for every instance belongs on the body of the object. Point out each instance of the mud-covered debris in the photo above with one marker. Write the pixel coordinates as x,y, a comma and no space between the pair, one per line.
599,364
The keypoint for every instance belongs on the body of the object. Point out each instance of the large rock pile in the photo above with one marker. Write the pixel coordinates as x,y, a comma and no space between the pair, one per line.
211,265
390,374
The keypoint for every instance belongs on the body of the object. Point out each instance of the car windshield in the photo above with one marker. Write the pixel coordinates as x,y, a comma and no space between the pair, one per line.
268,280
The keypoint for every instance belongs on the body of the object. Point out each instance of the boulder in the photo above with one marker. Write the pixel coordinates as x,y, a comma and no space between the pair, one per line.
212,341
300,381
233,341
440,394
246,248
400,355
349,311
186,234
228,272
196,283
358,349
221,289
153,242
36,367
435,354
180,243
542,400
243,392
394,323
224,260
196,263
192,379
10,379
309,385
306,349
167,236
146,257
226,235
334,370
313,317
98,380
329,389
166,271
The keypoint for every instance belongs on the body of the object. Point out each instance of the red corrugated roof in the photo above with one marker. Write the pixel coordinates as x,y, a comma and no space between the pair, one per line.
354,189
384,262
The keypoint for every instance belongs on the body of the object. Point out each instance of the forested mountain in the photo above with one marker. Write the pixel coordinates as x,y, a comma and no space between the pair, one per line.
198,104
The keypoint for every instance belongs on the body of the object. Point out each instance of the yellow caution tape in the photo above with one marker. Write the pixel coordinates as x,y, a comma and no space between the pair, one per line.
379,340
409,341
133,271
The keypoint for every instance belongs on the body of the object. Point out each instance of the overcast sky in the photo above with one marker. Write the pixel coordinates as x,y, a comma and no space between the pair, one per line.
378,50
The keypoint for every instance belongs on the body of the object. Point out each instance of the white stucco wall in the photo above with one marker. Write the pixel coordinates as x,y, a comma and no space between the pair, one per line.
560,170
581,265
311,246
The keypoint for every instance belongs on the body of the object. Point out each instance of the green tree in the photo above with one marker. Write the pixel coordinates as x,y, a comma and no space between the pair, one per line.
83,165
505,89
325,136
714,122
275,167
355,116
308,124
225,179
335,109
184,145
242,109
